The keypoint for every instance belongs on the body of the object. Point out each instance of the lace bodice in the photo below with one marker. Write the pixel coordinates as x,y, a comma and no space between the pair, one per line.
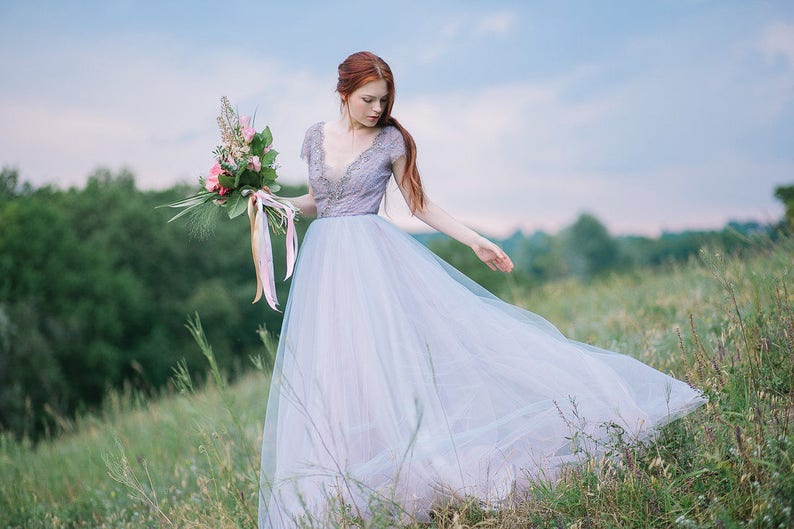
358,188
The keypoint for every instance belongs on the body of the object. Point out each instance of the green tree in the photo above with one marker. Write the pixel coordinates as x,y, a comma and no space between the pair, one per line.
96,286
589,248
9,182
786,195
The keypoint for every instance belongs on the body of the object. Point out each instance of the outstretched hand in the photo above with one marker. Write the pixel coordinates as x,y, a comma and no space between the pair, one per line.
490,254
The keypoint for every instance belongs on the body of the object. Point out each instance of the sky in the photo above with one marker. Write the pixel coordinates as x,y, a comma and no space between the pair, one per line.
654,116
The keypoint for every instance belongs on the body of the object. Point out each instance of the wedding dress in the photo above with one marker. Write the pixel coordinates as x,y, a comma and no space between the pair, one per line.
399,381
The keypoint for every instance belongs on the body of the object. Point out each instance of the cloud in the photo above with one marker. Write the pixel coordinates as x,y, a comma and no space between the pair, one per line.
663,135
499,23
439,46
149,110
502,156
678,126
640,150
777,41
457,29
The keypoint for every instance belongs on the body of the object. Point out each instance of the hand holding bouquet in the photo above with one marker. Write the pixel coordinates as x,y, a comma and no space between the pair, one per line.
241,180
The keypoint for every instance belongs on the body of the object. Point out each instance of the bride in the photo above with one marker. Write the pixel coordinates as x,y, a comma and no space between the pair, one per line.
398,381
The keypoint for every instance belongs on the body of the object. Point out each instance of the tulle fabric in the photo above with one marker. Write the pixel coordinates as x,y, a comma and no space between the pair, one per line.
399,382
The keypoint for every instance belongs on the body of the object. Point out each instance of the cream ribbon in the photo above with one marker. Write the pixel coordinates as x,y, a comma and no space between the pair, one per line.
261,249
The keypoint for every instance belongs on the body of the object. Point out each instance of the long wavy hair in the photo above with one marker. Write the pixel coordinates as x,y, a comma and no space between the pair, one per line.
361,68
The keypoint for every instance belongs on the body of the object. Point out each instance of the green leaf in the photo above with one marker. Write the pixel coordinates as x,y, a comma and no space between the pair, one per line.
199,198
238,174
268,174
274,187
258,144
185,211
249,178
269,157
267,136
236,204
226,180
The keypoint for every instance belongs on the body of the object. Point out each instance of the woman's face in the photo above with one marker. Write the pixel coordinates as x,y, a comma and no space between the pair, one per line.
367,103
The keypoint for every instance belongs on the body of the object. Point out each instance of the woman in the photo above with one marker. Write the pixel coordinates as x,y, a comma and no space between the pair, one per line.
398,381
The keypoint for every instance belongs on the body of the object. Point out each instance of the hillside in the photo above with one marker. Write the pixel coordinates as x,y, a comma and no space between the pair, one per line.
190,459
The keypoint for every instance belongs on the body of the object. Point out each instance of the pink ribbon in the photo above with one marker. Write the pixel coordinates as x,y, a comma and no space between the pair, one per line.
261,245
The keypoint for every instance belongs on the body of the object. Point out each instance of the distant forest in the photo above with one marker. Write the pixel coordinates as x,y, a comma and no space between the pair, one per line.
96,287
585,250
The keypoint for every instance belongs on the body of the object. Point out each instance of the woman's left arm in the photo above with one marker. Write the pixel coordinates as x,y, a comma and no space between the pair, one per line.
435,217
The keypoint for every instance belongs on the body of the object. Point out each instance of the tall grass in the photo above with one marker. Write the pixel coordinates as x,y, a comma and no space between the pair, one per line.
182,460
225,493
731,464
190,458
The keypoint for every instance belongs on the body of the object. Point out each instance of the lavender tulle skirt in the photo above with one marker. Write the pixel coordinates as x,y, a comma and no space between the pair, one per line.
399,382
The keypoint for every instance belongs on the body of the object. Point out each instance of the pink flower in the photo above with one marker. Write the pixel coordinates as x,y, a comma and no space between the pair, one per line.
212,184
244,121
223,190
267,149
248,134
255,164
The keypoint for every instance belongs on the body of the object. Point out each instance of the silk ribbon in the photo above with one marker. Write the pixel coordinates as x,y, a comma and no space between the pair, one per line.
261,246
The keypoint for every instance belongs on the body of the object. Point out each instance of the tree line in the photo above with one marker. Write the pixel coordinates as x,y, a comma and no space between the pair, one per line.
586,250
96,287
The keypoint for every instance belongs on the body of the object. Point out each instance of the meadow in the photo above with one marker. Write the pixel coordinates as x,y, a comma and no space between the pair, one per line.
189,456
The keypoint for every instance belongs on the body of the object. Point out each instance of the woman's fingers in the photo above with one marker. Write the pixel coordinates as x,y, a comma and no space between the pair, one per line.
507,263
494,257
502,261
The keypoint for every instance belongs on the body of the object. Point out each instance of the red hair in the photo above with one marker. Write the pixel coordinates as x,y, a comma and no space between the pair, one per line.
356,71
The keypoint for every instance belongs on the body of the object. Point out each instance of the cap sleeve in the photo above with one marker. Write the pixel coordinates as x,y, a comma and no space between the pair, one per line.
397,147
308,141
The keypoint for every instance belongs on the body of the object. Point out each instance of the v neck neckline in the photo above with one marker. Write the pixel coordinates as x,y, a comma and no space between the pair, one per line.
346,169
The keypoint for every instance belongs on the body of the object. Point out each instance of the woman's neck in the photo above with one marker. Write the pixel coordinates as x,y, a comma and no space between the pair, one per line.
351,126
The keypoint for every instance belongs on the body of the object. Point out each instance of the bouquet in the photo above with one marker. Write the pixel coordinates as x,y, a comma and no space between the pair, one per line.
245,165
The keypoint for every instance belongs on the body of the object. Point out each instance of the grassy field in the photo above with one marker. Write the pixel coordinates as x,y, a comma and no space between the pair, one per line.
190,458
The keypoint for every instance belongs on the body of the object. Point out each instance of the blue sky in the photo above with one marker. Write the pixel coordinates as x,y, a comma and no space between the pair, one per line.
658,115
